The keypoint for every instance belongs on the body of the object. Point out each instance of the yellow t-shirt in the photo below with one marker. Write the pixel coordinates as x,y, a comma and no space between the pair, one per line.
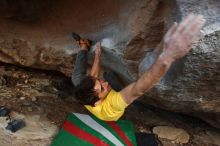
111,108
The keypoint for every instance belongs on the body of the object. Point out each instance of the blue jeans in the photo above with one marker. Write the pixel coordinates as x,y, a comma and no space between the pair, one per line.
81,64
79,72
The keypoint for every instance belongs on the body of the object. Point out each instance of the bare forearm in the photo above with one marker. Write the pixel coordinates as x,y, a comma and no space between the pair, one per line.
147,80
153,75
95,67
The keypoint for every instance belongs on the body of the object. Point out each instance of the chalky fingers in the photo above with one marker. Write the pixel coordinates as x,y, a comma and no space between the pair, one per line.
194,26
170,32
185,23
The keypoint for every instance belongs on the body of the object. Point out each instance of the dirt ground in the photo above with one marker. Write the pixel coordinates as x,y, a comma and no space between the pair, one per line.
50,94
36,92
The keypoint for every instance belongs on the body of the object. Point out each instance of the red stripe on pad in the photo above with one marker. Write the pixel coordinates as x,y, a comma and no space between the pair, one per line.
120,133
74,130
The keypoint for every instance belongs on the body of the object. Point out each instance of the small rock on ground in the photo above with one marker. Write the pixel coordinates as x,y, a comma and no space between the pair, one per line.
174,134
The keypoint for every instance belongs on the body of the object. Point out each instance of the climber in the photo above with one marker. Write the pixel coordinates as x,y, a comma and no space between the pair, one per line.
107,104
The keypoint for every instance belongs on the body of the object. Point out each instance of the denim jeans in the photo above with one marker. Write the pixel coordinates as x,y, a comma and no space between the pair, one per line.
79,72
81,64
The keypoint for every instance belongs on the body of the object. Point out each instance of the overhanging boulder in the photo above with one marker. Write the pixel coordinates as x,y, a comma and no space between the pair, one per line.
131,30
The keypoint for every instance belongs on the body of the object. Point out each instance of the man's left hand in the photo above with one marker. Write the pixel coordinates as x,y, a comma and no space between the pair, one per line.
179,38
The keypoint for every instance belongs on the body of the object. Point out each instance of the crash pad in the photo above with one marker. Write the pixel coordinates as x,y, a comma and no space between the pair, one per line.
86,130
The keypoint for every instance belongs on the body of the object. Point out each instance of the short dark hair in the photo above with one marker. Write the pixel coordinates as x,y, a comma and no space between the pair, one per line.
85,93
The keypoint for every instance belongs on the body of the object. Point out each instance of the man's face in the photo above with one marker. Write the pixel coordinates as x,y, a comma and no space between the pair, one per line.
102,88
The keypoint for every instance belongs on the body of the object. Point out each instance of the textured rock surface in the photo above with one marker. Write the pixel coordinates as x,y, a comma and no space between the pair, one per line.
214,136
132,30
192,84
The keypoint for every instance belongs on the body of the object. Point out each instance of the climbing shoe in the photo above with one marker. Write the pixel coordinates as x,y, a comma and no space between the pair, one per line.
75,36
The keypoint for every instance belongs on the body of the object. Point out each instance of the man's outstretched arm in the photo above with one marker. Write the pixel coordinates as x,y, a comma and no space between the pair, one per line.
177,43
95,71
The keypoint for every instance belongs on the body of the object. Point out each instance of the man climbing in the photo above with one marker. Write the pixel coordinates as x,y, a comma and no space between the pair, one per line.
107,104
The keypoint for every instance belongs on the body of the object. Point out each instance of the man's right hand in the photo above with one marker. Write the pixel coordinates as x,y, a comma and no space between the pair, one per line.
95,71
84,44
98,49
179,38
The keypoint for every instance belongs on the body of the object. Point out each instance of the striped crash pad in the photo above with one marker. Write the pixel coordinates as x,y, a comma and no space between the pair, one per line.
86,130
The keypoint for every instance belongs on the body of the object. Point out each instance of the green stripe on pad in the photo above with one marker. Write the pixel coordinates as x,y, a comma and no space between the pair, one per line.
125,125
64,138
